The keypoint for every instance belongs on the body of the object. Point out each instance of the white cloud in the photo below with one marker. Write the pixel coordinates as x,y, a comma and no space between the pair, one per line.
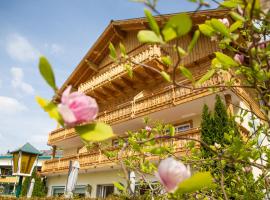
19,48
10,105
54,48
39,139
18,82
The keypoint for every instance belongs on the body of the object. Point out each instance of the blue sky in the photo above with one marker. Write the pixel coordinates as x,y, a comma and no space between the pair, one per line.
63,31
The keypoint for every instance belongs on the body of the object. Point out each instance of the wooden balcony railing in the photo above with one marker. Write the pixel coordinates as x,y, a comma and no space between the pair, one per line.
165,98
152,52
8,179
97,159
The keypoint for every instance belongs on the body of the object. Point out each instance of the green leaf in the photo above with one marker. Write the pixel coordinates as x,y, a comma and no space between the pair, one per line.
158,150
119,186
193,41
215,63
46,71
129,70
186,73
181,23
166,60
152,22
235,26
172,130
146,36
220,27
181,51
206,77
226,60
112,51
206,30
200,180
123,50
230,4
166,76
95,132
169,34
51,109
237,17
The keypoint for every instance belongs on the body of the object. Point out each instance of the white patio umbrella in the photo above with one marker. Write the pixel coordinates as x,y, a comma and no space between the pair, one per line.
30,190
72,179
132,181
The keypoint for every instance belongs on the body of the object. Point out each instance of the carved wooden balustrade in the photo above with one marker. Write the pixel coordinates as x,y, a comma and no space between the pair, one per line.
97,159
117,70
165,98
8,179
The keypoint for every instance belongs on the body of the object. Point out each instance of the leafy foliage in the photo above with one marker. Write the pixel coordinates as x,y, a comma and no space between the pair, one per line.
39,189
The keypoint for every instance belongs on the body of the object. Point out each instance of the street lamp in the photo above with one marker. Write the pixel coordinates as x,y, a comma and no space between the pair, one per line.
23,162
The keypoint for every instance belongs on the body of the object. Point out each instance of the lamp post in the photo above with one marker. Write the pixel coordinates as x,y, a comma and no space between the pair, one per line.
23,162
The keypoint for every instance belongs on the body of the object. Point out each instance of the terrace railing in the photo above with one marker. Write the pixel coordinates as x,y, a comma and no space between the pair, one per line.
96,159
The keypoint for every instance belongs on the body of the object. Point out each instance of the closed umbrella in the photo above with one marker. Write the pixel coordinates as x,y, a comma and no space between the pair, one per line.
132,182
72,179
30,191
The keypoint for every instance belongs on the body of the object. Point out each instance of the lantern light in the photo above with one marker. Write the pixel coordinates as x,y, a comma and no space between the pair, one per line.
23,162
24,159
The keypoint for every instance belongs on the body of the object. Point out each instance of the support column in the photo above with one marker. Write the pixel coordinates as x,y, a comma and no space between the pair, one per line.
229,106
53,152
19,187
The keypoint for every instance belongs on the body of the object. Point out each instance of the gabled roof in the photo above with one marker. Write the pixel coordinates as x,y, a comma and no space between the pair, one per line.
28,148
114,33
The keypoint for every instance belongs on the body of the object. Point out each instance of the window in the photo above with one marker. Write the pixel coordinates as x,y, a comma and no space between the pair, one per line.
79,191
6,171
104,190
115,143
58,191
182,127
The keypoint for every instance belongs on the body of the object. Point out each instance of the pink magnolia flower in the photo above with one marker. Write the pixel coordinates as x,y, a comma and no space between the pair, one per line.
148,128
225,21
76,107
171,172
239,58
262,46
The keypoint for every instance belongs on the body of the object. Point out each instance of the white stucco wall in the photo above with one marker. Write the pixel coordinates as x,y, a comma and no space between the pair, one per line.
93,178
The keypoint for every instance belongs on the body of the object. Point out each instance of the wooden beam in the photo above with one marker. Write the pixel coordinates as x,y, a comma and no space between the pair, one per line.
128,83
100,95
91,65
150,73
118,87
119,33
109,91
139,77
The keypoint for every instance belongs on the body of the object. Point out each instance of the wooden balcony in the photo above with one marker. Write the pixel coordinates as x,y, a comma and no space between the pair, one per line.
97,160
116,71
8,179
162,99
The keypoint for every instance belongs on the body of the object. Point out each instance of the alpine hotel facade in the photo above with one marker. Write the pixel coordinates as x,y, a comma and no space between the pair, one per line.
124,101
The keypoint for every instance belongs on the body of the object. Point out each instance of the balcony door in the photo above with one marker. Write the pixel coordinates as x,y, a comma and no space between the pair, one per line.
104,190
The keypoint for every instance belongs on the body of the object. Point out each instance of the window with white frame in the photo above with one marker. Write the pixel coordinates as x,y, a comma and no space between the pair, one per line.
104,190
115,143
183,127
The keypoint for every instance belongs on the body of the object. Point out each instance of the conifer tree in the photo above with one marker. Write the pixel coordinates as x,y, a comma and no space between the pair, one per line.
220,122
39,187
206,129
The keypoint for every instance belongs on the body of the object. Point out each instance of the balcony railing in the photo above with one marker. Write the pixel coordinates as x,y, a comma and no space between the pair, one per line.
8,179
166,98
152,52
97,159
